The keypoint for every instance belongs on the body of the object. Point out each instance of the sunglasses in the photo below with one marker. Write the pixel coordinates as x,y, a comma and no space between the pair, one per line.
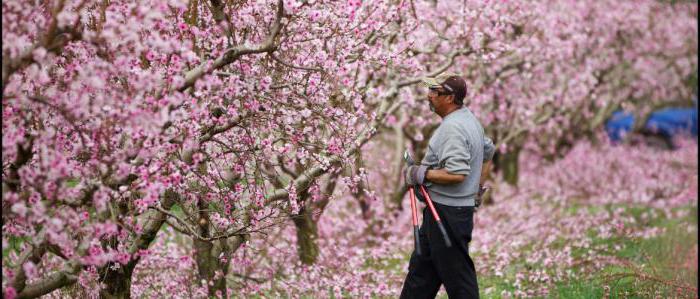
438,91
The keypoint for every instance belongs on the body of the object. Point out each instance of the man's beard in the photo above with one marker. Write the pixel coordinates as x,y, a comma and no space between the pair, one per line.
432,108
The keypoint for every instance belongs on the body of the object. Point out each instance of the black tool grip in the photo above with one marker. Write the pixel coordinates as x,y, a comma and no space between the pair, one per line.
448,243
416,239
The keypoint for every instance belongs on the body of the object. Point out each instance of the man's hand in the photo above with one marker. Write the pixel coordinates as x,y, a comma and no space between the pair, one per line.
415,175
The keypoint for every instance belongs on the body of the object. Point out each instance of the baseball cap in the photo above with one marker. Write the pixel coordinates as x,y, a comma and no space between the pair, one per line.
450,82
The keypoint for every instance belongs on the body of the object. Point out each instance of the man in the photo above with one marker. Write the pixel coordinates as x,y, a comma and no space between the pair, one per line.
452,171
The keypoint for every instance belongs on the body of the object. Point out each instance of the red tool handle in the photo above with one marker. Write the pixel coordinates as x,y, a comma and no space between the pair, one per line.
413,206
448,243
430,203
414,212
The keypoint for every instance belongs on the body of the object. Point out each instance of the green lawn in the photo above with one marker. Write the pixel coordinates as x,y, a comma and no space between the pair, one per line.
663,266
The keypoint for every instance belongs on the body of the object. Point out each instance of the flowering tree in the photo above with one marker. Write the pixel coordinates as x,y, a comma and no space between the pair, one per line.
100,141
590,62
555,71
122,117
222,119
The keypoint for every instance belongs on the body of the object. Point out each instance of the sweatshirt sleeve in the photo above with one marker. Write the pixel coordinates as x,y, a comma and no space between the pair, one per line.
489,149
455,156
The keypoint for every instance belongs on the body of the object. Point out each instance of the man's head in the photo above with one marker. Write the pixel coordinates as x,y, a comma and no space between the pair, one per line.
446,93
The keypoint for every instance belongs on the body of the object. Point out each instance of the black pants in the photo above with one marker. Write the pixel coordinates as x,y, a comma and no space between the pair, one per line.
438,264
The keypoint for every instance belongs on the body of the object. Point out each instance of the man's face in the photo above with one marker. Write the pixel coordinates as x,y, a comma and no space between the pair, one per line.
437,99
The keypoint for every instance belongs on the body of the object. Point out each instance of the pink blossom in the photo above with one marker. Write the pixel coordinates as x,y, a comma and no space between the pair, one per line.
10,293
30,270
19,209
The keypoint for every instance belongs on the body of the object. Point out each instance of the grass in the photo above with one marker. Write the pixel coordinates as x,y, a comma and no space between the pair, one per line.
654,267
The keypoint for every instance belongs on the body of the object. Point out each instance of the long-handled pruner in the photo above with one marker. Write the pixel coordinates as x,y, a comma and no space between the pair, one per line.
409,160
414,204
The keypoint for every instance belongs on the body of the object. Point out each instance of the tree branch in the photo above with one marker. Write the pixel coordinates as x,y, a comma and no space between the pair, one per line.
53,281
24,154
183,227
33,253
54,40
234,53
450,60
304,180
153,224
311,69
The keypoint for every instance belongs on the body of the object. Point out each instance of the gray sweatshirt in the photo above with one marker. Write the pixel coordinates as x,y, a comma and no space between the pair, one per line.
460,147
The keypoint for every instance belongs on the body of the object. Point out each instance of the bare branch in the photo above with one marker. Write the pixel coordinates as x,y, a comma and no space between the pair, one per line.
183,227
311,69
217,130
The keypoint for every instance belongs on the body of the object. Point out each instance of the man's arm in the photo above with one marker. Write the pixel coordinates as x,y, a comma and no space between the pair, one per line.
442,176
454,160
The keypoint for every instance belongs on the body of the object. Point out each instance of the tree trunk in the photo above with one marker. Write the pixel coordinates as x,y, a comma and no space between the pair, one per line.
118,282
307,232
208,263
507,164
118,279
207,256
396,198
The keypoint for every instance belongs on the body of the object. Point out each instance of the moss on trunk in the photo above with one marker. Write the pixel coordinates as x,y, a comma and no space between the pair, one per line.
507,164
307,233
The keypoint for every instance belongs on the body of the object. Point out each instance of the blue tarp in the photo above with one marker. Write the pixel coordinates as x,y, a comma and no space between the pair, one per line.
667,122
